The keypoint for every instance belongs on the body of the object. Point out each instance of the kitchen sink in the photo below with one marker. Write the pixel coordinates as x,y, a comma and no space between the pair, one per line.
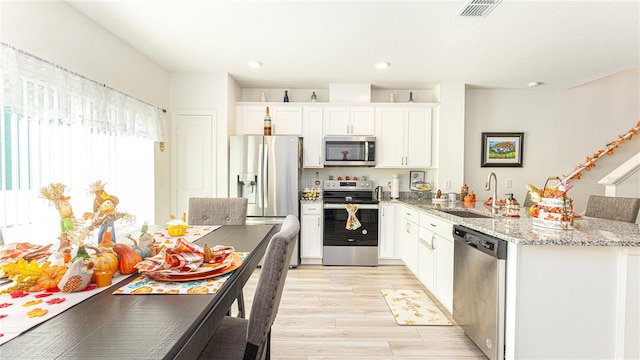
465,214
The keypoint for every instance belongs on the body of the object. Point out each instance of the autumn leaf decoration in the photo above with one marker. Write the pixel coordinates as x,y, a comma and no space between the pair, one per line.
590,161
24,271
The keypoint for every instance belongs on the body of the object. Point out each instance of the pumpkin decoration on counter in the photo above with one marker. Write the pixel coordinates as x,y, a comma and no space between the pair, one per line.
77,276
50,277
104,260
128,259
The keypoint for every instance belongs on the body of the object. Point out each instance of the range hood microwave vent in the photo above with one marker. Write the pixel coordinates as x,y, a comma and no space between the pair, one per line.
478,8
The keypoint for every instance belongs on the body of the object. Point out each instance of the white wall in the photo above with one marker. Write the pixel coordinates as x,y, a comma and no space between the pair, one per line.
561,129
205,92
56,32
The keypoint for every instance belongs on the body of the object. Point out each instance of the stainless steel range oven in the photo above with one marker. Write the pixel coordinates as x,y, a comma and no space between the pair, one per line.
350,235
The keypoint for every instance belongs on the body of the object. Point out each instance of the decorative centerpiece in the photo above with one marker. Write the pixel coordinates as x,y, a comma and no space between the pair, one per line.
554,209
177,227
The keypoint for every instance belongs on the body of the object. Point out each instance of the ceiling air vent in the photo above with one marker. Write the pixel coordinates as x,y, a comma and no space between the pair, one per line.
478,8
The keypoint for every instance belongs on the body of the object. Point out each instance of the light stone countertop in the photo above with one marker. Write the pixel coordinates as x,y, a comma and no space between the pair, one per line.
520,230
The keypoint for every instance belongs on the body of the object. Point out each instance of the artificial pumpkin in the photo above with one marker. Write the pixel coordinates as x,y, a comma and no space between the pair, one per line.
77,276
104,260
128,259
51,276
143,251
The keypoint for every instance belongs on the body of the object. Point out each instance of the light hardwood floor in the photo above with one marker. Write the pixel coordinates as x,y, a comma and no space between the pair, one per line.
336,312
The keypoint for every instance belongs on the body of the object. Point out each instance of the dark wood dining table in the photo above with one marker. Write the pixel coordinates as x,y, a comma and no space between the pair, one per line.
108,326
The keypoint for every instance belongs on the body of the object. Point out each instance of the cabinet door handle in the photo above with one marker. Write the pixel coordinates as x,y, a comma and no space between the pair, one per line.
433,225
319,160
318,222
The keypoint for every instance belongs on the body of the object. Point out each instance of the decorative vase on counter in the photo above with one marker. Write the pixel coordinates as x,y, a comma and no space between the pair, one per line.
286,96
314,97
410,96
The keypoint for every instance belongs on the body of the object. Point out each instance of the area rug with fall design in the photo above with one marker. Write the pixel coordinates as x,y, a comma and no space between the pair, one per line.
413,307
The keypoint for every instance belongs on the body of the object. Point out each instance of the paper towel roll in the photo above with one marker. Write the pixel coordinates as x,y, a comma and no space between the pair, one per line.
395,188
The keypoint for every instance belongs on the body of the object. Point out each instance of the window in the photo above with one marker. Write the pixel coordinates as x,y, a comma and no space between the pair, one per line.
57,127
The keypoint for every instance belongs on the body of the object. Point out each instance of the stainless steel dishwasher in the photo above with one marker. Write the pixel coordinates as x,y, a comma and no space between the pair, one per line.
479,288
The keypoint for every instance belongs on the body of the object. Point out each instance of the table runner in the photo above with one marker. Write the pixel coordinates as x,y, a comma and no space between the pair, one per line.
14,312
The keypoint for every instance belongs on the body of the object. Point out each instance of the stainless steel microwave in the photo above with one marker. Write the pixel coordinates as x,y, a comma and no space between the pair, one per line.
349,151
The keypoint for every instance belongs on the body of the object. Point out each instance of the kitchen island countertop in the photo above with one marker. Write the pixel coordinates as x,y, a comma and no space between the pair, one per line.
520,230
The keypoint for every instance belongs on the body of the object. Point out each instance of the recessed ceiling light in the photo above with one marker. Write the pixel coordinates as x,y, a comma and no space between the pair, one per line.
383,65
534,84
255,64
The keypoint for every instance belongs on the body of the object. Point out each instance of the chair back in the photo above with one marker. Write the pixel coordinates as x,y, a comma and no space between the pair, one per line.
269,288
217,211
613,208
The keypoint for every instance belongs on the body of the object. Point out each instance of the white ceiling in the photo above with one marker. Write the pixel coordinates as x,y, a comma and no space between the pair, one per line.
309,44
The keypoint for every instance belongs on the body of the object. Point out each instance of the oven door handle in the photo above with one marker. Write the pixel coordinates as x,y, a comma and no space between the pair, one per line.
344,206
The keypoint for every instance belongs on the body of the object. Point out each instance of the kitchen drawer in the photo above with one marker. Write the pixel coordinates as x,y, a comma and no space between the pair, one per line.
437,225
312,209
411,214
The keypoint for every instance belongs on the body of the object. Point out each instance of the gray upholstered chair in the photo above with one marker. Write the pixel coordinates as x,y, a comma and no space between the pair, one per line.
613,208
217,211
250,338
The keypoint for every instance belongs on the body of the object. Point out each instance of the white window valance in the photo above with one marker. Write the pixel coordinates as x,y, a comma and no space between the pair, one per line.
38,89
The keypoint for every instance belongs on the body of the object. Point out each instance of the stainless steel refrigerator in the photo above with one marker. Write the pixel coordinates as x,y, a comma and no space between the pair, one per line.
266,171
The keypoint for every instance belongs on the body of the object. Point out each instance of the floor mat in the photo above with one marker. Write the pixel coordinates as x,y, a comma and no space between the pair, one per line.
413,307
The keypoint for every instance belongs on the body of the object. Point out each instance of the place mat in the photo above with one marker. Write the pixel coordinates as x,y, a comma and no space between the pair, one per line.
145,285
413,307
20,314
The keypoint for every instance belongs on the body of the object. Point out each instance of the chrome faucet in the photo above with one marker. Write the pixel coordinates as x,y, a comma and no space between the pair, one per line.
494,196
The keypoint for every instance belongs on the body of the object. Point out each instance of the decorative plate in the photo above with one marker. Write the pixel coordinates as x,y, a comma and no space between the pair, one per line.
205,271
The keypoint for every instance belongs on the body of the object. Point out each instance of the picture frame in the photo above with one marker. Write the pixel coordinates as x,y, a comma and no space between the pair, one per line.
502,149
415,177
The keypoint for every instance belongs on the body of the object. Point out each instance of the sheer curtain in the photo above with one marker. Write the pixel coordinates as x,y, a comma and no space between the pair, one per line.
59,127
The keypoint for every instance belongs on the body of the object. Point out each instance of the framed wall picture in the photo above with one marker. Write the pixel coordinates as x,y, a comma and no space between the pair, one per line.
415,177
502,149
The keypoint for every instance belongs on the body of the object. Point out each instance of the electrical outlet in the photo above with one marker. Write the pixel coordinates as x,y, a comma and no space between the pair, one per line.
508,183
310,182
447,184
401,183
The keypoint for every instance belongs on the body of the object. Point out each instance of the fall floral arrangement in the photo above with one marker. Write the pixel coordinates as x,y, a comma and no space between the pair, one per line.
65,271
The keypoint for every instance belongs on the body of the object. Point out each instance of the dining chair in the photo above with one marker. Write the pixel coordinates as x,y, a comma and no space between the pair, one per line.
250,339
220,211
217,211
613,208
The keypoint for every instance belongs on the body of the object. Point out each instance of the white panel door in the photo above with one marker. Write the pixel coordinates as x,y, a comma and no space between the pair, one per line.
195,158
312,154
363,121
286,120
337,121
418,135
389,137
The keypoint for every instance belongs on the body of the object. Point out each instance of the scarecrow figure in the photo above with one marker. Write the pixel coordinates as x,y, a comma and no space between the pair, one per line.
104,214
68,223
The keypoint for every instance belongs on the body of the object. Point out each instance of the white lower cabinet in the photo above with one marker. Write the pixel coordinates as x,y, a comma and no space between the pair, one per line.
311,233
436,257
427,258
409,238
386,232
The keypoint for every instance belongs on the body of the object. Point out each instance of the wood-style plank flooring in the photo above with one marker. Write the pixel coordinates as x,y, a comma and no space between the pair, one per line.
336,312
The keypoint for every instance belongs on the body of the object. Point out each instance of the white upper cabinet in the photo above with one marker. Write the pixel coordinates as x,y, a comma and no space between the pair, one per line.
345,120
285,120
312,155
403,137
